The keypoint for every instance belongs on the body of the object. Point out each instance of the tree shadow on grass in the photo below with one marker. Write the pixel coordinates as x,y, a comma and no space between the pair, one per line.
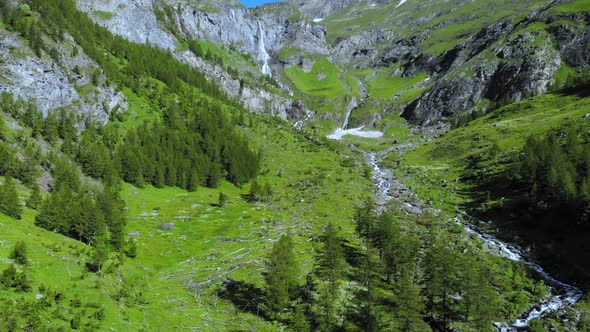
246,297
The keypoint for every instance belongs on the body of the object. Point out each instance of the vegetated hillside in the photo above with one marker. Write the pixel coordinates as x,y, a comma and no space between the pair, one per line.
522,167
176,208
424,60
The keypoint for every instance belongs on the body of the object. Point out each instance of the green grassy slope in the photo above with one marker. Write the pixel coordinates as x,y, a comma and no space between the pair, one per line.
446,22
157,290
495,138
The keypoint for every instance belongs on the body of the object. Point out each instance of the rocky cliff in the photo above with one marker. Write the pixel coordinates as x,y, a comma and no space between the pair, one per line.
460,56
505,62
66,78
259,32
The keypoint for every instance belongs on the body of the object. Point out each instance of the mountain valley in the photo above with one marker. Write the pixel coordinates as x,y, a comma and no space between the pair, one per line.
304,165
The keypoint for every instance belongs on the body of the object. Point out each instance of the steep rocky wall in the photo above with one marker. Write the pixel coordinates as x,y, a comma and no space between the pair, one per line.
53,84
224,23
502,63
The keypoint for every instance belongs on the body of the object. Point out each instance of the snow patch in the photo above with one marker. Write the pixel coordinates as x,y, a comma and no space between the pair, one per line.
342,131
339,133
318,20
401,3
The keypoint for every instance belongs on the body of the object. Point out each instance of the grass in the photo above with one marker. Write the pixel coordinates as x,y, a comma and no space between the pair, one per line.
105,16
385,85
208,242
140,110
86,90
287,52
447,22
321,81
231,58
573,6
434,169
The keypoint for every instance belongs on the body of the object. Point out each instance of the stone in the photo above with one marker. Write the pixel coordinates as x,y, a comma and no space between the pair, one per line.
167,226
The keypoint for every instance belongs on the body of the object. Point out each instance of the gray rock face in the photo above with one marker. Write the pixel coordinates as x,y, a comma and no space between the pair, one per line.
575,53
134,20
523,65
450,96
530,62
318,9
239,27
54,84
504,61
228,23
254,99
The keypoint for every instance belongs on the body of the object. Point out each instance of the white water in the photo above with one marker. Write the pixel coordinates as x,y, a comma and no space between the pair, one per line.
262,54
342,131
561,295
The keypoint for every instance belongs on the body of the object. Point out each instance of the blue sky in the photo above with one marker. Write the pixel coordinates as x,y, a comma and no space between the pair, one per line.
252,3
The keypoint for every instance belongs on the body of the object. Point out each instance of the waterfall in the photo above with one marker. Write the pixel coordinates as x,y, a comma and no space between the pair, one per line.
262,54
342,131
345,124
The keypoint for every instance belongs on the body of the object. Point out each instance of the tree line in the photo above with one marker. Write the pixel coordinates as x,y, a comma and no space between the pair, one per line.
556,168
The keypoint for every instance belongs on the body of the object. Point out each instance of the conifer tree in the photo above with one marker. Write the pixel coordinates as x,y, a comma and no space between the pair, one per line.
409,305
331,265
222,201
255,192
9,201
281,273
111,207
331,259
19,253
35,199
299,322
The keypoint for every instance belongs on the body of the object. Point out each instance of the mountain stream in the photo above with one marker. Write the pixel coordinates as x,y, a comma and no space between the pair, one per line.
561,294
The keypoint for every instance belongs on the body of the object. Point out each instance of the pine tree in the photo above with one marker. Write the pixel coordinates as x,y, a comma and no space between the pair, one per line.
366,221
331,265
111,207
8,277
299,322
254,193
35,199
19,253
131,249
222,202
440,276
268,192
409,305
484,301
281,273
9,201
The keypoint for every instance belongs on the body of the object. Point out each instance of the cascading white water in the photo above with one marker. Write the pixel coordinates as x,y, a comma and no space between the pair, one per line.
346,117
562,295
262,54
340,132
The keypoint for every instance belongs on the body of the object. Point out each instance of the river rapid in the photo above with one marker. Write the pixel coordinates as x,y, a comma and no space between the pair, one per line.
561,294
